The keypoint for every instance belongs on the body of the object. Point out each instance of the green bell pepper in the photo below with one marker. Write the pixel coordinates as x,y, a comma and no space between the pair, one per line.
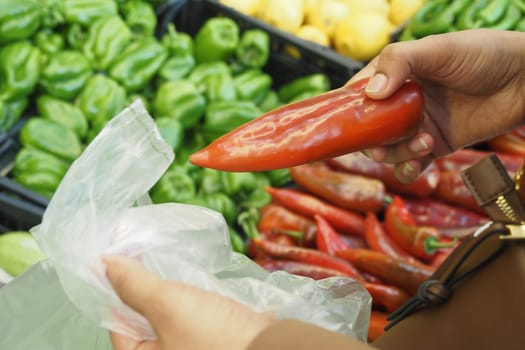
519,4
179,100
406,34
220,87
65,74
11,111
271,101
493,12
174,186
432,18
171,130
101,99
133,97
180,49
202,71
279,177
52,137
139,62
306,94
520,27
222,203
48,42
210,181
216,40
252,85
177,43
248,220
107,38
254,48
140,17
257,198
19,69
84,12
223,116
193,141
510,20
32,160
43,183
234,182
237,241
64,113
469,18
316,82
176,68
75,36
19,19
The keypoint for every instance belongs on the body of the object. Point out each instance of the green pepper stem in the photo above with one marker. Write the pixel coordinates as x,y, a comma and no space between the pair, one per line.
291,233
248,222
432,244
387,199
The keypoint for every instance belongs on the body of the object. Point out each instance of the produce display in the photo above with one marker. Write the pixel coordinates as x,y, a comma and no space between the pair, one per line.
358,29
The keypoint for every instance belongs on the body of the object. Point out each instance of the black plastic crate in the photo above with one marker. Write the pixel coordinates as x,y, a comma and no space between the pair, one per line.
189,15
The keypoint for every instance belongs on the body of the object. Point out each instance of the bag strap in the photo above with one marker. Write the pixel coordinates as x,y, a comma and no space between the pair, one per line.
496,193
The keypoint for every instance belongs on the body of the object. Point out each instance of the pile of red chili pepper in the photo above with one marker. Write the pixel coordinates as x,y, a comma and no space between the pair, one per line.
349,216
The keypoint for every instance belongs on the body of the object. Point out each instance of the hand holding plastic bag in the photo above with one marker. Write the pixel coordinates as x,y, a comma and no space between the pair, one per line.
96,211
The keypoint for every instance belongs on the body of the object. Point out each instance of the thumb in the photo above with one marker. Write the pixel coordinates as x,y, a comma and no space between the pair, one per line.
136,286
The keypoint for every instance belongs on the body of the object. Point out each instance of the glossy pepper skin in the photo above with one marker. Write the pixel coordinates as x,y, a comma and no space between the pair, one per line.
140,17
300,268
107,38
179,100
335,123
180,60
138,63
315,82
216,40
377,325
353,192
327,239
386,297
204,70
171,130
252,85
508,143
19,69
464,158
223,116
100,100
452,189
217,201
43,183
220,87
63,112
19,19
11,111
84,12
174,186
469,18
65,74
48,42
270,101
253,49
346,221
33,160
52,137
433,18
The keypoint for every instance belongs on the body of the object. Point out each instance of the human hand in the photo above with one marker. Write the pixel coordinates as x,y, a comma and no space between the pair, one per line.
182,316
473,85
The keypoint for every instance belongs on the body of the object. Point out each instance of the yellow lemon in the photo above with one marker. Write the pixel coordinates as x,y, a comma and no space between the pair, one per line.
402,10
286,15
380,6
362,35
312,33
248,7
326,14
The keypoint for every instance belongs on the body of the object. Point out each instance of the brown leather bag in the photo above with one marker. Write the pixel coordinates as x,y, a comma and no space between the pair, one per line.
475,300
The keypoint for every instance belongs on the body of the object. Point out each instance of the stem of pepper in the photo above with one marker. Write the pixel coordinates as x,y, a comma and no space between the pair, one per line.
432,244
248,221
291,233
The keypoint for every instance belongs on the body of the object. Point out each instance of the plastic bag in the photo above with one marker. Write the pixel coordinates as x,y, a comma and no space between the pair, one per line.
102,207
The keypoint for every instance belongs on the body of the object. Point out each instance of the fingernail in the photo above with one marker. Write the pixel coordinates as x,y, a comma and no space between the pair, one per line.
408,170
376,154
418,145
377,83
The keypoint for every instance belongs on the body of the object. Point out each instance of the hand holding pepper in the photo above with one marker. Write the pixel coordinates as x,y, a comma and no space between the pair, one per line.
472,82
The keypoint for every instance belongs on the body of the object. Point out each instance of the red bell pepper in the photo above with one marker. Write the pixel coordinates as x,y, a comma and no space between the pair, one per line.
396,272
432,212
453,190
387,297
377,325
508,143
306,255
464,158
327,239
420,241
300,268
379,241
357,163
340,121
353,192
274,217
345,221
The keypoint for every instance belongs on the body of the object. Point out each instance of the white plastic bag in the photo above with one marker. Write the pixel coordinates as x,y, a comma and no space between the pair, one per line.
96,210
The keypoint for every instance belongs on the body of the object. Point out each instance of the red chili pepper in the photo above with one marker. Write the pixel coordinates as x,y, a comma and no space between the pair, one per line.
377,325
331,124
396,272
274,217
353,192
299,268
464,158
453,190
354,241
279,238
508,143
379,241
432,212
420,241
343,220
357,163
388,297
310,256
327,239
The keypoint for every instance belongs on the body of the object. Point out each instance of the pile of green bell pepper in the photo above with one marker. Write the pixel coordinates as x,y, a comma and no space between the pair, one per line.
442,16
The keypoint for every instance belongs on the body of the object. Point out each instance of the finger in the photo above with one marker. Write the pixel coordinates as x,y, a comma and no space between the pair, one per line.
135,285
366,72
416,147
122,342
407,172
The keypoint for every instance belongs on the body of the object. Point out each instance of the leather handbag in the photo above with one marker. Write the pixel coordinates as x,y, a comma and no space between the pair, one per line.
476,299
